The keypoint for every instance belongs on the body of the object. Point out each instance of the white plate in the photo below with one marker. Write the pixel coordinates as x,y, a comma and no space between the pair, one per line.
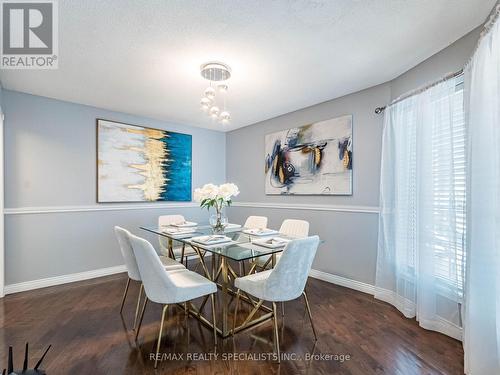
178,231
185,224
260,232
232,226
272,243
211,239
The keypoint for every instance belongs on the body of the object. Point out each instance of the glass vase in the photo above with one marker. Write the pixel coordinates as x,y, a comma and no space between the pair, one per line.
218,222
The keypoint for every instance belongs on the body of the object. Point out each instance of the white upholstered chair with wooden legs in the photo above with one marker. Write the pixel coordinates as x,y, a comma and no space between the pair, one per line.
122,236
285,282
180,253
168,288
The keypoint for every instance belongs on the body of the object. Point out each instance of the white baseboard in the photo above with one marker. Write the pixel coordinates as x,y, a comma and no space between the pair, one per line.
63,279
71,278
80,276
442,326
343,281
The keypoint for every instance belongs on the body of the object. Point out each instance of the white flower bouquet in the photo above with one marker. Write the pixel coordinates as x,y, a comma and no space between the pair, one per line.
211,195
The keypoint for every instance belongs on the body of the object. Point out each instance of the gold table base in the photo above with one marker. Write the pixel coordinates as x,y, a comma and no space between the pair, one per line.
226,271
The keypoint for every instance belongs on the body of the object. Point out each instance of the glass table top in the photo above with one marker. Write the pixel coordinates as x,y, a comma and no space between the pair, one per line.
241,247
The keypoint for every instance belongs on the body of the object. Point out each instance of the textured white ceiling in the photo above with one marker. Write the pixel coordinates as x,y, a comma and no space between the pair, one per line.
143,57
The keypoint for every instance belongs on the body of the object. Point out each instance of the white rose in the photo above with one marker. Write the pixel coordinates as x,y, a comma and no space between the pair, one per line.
228,190
198,195
210,191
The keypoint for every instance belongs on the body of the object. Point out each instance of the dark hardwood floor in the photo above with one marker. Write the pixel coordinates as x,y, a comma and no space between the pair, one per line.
88,336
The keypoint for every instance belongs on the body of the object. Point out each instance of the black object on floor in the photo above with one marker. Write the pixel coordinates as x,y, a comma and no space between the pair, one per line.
25,370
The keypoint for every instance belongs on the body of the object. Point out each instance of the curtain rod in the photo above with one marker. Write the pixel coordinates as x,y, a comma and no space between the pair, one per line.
400,98
493,17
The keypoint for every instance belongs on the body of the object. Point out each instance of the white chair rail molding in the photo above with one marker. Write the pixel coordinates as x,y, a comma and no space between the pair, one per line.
243,187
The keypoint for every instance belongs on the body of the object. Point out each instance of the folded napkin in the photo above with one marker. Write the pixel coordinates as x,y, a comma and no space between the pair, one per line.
213,239
276,241
260,231
272,243
184,224
171,230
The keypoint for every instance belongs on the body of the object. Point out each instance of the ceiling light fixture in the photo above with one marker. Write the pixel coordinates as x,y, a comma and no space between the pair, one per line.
215,71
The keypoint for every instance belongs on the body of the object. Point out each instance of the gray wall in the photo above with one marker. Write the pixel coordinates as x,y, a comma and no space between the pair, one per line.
50,161
351,237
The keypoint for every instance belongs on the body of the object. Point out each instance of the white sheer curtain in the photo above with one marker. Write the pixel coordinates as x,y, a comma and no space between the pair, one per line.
482,304
420,264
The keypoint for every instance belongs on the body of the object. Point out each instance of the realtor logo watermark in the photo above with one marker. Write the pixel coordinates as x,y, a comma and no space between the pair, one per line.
29,34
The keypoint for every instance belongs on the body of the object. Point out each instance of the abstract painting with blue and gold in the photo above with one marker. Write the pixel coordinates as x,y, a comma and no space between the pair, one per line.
314,159
139,164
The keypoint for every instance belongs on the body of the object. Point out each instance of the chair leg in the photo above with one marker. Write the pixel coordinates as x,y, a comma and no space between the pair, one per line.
142,316
276,338
159,334
310,316
212,300
138,304
282,309
236,306
125,294
182,252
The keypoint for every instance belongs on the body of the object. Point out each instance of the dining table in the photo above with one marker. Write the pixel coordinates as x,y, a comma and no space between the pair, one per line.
242,244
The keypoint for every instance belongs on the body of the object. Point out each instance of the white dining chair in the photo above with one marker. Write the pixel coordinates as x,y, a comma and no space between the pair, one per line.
180,253
256,222
285,282
122,236
290,227
252,222
168,288
295,228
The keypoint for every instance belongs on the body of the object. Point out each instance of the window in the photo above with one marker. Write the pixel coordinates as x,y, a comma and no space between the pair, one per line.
448,187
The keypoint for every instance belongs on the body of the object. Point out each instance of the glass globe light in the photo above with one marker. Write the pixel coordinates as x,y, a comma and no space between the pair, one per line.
214,112
225,117
222,88
210,93
205,104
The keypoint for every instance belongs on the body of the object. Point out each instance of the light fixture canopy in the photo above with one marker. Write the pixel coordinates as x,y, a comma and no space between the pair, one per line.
215,71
